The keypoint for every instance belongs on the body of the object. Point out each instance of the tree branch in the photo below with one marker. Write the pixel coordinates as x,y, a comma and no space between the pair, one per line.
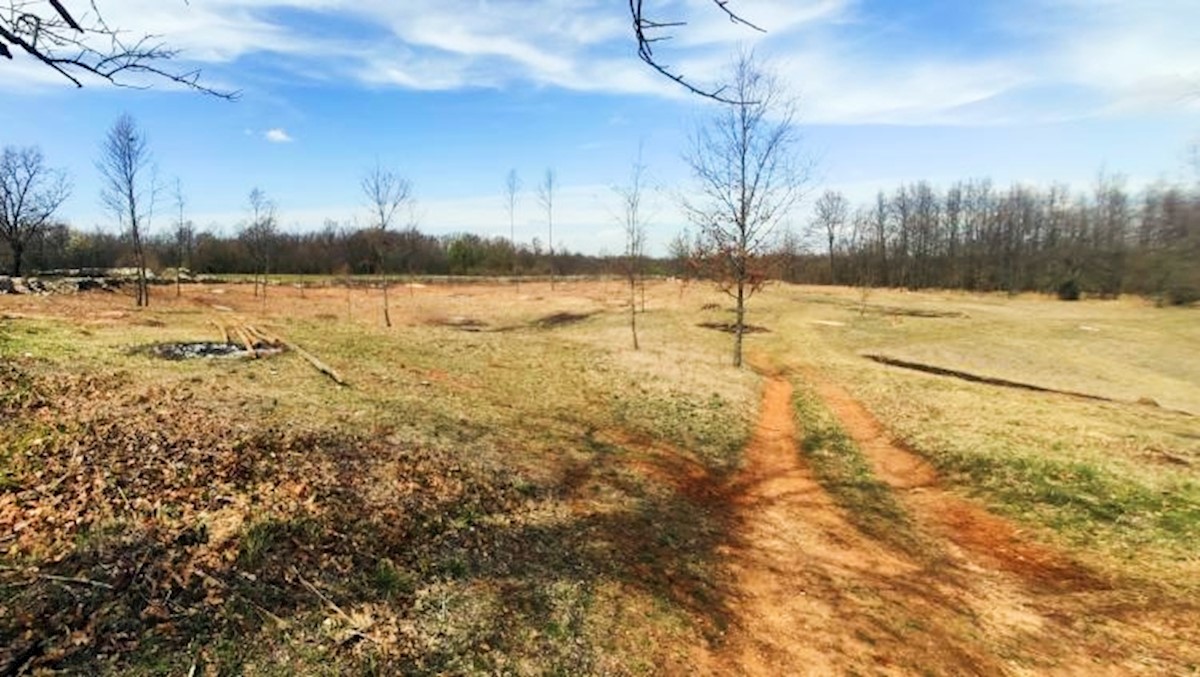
648,33
59,41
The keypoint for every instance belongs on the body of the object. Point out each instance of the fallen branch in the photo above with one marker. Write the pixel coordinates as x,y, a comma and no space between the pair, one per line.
247,341
224,331
76,580
318,364
354,630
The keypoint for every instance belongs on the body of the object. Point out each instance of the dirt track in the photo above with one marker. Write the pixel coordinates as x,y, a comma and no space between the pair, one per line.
813,595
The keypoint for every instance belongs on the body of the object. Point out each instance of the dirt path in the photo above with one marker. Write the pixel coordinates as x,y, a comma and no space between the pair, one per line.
786,522
810,594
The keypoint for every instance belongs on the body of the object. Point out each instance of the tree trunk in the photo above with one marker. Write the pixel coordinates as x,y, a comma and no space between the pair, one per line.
18,251
387,317
832,274
143,293
633,310
740,329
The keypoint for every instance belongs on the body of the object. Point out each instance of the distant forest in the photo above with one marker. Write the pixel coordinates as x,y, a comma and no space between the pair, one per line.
976,237
971,236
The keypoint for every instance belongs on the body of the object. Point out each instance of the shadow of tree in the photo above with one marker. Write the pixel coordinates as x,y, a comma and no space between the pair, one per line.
393,559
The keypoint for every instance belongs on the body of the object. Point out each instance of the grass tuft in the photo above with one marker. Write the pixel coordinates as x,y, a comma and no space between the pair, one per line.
844,472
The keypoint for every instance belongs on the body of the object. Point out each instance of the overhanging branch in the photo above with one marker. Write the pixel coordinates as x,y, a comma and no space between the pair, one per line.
649,32
57,39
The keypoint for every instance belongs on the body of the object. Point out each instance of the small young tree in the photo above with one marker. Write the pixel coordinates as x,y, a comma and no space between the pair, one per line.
512,188
744,160
130,188
546,198
30,193
259,236
386,193
184,238
633,224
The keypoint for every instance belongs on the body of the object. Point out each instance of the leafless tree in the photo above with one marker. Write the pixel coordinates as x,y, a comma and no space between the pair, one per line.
130,188
749,176
633,223
546,198
649,32
83,45
830,214
184,237
512,188
386,193
259,236
30,193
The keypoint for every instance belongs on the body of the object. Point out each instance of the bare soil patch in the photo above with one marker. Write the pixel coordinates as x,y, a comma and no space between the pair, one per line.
1085,618
1004,383
560,319
812,594
731,328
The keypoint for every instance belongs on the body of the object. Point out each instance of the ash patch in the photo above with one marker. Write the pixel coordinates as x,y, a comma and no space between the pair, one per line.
202,350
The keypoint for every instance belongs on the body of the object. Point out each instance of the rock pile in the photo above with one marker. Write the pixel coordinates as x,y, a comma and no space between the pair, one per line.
59,285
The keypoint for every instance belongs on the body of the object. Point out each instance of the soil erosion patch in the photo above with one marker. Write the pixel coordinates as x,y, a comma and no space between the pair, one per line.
731,328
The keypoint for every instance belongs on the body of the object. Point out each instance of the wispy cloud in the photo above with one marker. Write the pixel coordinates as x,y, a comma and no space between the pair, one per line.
847,62
278,135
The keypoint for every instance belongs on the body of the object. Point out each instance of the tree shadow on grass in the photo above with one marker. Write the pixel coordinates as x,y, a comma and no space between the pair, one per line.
401,560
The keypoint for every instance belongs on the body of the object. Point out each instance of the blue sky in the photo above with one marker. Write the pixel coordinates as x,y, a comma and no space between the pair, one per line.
454,93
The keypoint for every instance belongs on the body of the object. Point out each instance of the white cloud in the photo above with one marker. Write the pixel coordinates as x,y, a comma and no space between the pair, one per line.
278,135
1134,56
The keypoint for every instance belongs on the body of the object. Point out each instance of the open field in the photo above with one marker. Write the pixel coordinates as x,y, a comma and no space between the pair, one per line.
507,487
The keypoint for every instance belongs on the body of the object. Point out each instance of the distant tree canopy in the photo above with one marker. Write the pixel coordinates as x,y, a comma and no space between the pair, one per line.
971,235
978,237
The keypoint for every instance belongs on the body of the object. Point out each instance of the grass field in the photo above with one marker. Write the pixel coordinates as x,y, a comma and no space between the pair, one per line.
506,486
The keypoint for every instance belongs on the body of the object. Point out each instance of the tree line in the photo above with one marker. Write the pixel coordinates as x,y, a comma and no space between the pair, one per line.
333,250
978,237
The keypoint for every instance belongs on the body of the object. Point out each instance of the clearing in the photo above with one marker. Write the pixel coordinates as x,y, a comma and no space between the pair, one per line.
505,486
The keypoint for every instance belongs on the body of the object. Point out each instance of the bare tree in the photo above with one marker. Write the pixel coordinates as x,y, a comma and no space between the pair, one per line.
830,213
633,223
386,193
130,188
184,237
649,32
749,176
546,199
85,45
30,193
259,236
512,188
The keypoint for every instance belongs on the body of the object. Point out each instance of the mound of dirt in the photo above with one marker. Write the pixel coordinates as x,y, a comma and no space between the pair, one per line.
561,319
731,327
460,322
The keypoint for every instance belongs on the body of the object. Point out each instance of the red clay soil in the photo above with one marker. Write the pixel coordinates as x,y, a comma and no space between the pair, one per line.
967,524
811,594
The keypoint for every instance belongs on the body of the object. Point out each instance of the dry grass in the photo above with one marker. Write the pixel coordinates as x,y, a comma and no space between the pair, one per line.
473,503
1118,482
501,493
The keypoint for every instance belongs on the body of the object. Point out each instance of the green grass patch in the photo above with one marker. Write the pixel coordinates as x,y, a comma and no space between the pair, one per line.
1089,505
844,472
